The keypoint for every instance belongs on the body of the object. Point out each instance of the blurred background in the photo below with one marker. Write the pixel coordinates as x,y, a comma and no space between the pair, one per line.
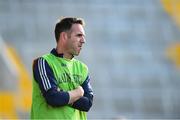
132,50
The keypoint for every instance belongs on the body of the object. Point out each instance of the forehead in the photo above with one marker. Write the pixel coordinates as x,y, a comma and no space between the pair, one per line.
77,28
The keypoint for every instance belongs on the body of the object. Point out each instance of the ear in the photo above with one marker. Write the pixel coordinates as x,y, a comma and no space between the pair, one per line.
63,36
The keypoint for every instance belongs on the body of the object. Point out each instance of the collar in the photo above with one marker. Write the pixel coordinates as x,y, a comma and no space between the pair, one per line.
54,52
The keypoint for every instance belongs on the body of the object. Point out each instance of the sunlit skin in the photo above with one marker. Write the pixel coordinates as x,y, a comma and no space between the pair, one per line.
70,43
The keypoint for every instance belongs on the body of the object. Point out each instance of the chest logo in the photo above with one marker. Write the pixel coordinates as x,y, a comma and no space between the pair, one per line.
68,78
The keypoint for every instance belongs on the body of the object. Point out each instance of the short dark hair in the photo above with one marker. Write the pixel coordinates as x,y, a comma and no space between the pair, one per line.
65,24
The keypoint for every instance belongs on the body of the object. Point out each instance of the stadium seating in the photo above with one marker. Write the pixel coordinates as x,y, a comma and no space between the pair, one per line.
126,46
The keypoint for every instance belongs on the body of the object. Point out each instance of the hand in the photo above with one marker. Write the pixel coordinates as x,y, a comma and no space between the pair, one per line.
75,94
80,90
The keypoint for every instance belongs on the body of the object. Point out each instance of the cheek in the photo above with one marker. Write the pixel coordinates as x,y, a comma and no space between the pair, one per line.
72,44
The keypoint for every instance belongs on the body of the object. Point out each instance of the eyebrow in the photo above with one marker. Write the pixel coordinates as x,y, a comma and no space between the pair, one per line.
80,34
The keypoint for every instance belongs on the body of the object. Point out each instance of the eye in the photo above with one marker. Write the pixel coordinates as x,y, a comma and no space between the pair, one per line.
79,35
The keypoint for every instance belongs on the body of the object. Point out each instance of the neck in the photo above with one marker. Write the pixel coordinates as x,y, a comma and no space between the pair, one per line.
66,55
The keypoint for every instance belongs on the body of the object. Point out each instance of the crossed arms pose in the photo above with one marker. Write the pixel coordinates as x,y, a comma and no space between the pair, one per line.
61,83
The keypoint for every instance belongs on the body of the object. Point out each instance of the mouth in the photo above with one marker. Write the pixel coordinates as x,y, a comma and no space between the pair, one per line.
80,46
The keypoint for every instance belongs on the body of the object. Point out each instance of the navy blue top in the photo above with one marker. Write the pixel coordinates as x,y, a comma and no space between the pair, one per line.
55,97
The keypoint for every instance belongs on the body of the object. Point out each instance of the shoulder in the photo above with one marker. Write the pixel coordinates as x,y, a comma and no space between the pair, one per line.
48,56
43,57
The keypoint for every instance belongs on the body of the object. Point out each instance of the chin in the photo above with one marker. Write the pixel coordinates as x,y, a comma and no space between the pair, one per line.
76,54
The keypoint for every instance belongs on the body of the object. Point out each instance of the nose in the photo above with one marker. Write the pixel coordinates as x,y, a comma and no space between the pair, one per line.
83,40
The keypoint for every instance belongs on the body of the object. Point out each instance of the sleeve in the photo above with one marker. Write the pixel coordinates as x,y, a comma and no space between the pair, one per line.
44,76
85,102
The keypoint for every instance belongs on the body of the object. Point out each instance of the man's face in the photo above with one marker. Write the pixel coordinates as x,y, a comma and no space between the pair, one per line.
75,40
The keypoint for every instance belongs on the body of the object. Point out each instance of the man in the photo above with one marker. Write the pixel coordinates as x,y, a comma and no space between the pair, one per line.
61,85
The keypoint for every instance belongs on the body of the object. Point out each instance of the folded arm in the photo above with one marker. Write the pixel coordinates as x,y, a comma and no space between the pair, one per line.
85,102
55,97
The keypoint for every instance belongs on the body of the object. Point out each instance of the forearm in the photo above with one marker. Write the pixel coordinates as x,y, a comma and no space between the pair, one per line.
56,98
85,102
